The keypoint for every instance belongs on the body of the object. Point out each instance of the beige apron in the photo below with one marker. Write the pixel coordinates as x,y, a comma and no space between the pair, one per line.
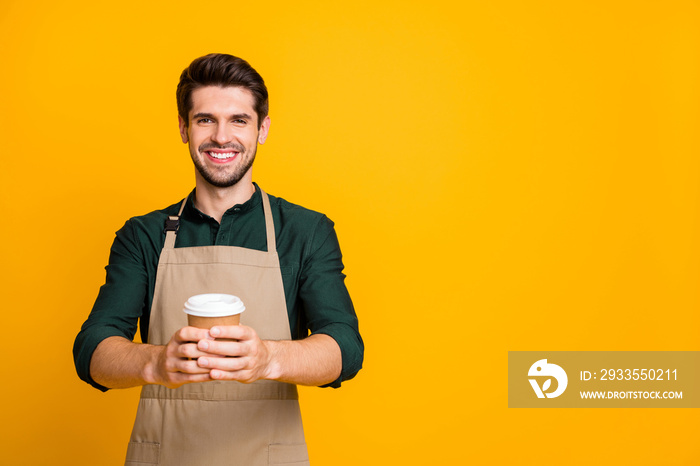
219,422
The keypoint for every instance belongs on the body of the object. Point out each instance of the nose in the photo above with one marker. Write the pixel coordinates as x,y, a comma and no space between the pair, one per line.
222,134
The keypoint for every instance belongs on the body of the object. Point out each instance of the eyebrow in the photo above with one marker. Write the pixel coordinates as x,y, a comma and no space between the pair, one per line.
235,116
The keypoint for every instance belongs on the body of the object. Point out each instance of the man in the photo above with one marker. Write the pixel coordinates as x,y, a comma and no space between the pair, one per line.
227,236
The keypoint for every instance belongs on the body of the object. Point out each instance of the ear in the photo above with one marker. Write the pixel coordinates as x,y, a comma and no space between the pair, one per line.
264,129
183,129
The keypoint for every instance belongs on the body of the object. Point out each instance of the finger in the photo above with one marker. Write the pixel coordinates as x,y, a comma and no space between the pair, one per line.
188,367
190,334
240,376
224,364
223,348
191,351
236,332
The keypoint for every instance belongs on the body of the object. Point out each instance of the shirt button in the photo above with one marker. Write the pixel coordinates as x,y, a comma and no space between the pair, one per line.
236,209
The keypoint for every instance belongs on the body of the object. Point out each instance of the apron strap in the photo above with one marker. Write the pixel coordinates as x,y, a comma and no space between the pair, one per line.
172,224
269,224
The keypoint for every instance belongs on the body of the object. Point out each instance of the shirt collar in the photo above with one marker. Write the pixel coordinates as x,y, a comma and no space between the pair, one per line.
192,213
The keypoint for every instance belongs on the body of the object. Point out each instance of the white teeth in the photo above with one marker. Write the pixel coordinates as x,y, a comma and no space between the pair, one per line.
222,155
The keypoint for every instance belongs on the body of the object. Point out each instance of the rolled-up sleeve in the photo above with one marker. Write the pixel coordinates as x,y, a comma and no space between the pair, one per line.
119,304
327,306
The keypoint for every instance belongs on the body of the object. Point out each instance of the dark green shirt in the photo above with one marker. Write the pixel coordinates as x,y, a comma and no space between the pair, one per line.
310,261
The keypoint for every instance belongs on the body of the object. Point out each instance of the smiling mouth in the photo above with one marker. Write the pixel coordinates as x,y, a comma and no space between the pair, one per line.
221,155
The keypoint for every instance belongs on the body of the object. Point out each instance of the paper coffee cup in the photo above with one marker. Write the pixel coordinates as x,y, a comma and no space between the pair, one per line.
208,310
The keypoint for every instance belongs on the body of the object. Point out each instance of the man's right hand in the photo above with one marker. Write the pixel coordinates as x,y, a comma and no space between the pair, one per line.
177,361
120,363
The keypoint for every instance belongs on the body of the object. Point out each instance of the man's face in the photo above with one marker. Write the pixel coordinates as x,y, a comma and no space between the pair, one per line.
223,134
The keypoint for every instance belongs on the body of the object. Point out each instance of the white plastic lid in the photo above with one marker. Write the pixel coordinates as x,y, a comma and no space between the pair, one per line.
214,305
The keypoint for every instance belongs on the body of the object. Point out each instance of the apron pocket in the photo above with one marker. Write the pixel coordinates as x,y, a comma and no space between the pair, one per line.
288,455
142,453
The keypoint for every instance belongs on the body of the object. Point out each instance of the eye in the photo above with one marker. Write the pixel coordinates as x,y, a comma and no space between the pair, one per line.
204,121
240,121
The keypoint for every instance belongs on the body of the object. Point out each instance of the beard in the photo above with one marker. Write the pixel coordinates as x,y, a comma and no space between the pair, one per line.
224,176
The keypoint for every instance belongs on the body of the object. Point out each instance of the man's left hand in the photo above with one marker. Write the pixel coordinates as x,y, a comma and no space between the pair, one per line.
248,359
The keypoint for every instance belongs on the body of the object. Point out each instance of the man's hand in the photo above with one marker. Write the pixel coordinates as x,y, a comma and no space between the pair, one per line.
315,360
246,360
177,362
120,363
192,356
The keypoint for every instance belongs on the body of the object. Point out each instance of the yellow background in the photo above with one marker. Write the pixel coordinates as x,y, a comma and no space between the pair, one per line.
504,175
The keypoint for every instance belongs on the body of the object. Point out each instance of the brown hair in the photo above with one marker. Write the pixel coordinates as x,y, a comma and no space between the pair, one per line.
220,69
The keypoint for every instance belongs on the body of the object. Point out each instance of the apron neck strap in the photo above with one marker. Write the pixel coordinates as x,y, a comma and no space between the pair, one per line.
269,223
172,224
